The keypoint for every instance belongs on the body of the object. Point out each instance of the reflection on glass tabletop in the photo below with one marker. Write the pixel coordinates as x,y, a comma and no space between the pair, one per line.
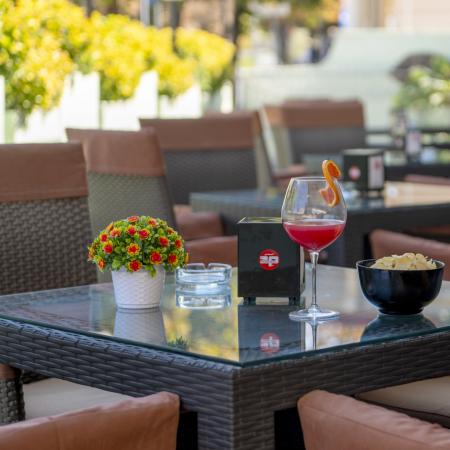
235,333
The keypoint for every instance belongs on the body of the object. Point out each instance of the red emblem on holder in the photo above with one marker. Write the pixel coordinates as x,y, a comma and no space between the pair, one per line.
269,343
269,259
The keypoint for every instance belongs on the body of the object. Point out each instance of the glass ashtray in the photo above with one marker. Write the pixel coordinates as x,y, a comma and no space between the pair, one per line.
218,300
198,279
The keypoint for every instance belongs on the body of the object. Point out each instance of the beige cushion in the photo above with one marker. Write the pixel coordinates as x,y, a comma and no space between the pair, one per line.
146,423
337,422
222,249
53,396
426,399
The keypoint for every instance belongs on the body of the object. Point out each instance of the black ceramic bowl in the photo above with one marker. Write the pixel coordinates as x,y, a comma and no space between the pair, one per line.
399,291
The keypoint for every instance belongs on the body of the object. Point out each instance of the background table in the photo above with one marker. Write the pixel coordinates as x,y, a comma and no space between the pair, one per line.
403,206
240,368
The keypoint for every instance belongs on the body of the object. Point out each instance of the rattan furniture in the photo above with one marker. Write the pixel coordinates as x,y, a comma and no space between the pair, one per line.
45,228
403,206
127,176
240,368
211,153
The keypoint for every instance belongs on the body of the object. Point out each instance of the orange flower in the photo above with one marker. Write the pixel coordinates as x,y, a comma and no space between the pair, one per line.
178,243
133,249
134,265
108,247
163,241
101,264
170,230
110,226
91,254
103,237
131,230
143,234
152,222
115,232
133,219
172,259
155,258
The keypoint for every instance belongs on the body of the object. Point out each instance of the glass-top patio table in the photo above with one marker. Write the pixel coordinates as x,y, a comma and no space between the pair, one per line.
241,368
402,206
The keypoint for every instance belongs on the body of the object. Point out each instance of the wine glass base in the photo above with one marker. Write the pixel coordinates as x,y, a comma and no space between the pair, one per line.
313,314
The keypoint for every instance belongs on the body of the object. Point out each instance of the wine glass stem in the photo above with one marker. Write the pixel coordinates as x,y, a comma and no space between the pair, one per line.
314,257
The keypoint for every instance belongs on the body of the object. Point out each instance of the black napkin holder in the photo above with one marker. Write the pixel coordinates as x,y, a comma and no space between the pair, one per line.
364,168
270,264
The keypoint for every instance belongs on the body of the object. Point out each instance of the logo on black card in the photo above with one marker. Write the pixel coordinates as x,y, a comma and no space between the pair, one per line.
269,259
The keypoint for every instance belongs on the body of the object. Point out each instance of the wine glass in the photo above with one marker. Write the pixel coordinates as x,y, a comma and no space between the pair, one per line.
311,220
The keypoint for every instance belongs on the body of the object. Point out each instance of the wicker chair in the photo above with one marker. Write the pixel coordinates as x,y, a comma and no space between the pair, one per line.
212,153
147,423
46,230
44,187
126,176
307,131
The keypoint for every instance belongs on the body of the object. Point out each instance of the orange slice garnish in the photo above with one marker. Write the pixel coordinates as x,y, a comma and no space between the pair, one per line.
331,172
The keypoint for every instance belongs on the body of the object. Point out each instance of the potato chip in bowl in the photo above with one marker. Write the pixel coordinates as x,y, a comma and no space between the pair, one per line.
407,261
400,284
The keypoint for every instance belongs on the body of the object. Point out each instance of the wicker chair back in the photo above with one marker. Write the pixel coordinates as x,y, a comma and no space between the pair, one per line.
44,216
212,153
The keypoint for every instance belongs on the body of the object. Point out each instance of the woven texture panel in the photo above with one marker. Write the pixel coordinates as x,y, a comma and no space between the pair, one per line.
44,245
12,408
114,197
197,171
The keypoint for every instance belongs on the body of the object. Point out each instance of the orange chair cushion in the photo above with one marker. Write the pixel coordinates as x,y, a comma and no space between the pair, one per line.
213,250
198,225
386,243
337,422
147,423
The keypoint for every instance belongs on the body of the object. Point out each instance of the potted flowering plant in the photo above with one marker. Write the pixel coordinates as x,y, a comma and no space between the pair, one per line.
138,251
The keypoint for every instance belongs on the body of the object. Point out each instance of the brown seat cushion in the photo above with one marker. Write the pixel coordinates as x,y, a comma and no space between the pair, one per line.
426,399
198,225
147,423
337,422
213,250
385,243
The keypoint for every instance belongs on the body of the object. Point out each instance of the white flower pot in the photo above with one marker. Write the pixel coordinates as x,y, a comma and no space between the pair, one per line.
133,290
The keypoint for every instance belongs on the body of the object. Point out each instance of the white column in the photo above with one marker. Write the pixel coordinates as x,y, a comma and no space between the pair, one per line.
365,13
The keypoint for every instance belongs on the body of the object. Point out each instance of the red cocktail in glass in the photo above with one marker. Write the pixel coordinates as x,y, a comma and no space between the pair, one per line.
314,216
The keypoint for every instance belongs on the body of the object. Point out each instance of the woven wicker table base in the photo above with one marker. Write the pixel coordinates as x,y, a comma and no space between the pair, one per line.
235,405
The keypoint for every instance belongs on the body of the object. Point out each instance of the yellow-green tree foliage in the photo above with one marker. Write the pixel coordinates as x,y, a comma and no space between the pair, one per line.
32,59
42,41
213,55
